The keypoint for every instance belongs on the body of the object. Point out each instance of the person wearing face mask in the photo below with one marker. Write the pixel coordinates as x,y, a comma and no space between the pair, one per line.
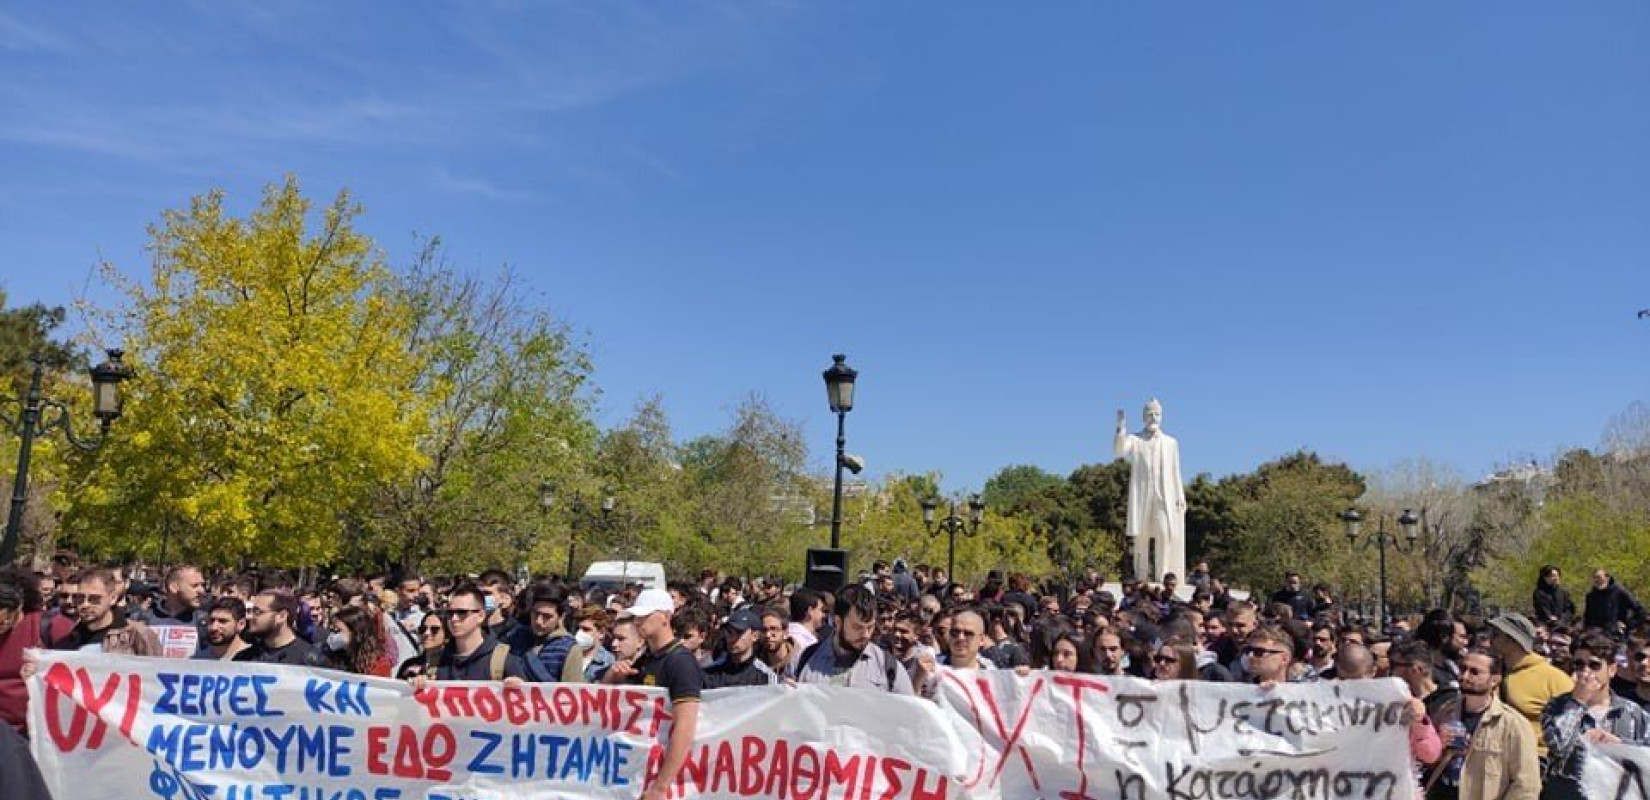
355,645
593,625
1588,714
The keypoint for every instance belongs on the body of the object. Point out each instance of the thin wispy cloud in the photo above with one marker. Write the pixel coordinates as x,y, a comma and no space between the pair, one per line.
447,181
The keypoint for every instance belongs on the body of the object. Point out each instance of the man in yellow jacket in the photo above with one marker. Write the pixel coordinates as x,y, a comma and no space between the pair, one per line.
1500,760
1531,680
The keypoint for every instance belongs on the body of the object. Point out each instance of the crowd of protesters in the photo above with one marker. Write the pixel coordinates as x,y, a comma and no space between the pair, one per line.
1502,707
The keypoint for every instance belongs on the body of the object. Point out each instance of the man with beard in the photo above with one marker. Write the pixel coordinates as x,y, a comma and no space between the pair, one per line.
776,647
903,642
849,657
739,665
1107,652
1610,607
1531,681
225,620
1498,761
269,625
176,618
102,627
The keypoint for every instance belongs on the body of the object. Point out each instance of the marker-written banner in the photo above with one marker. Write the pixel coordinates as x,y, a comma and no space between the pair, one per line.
107,726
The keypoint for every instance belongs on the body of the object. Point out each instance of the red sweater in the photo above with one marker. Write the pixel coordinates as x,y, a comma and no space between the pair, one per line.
14,697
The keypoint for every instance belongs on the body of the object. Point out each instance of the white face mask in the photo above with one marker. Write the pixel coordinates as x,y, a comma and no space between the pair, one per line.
584,640
337,642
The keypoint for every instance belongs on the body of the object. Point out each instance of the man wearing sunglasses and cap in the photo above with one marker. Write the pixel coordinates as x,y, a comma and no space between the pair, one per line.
665,663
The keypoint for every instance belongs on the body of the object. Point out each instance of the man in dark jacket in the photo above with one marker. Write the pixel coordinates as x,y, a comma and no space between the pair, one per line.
472,654
1610,607
1292,596
545,646
739,665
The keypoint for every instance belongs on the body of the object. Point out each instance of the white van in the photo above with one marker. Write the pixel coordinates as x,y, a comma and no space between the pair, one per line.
615,575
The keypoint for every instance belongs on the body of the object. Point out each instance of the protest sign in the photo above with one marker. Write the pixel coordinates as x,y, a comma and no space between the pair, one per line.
1617,772
1083,737
108,726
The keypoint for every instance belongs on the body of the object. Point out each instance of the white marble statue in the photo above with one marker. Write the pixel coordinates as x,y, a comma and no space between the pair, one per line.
1157,500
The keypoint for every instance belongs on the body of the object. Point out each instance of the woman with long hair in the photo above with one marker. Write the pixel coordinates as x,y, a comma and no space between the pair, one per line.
356,643
432,637
1174,660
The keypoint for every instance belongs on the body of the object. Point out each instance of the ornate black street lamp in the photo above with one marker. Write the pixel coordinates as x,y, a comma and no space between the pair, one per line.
952,525
1407,521
106,406
839,389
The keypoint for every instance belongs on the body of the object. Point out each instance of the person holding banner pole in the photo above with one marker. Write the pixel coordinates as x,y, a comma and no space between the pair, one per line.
669,665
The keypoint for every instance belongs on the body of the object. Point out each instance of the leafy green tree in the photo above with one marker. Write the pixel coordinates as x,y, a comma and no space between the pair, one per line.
273,390
1284,517
509,410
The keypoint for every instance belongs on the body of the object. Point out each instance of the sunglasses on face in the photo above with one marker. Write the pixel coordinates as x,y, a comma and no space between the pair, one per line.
461,613
1261,652
431,630
94,599
1590,664
1162,659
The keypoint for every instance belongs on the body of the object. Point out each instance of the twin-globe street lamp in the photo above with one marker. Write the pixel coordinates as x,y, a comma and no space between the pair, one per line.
581,512
952,525
1407,521
106,406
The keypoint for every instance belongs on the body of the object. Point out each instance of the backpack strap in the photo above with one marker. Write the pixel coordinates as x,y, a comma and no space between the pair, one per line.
495,665
807,655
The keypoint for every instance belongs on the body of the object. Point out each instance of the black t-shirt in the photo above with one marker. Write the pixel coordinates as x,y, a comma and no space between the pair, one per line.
297,653
673,668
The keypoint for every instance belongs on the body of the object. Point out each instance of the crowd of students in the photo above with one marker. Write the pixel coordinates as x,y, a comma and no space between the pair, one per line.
1503,707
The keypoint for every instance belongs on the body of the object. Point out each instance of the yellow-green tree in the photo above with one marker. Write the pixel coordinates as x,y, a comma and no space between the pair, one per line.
273,388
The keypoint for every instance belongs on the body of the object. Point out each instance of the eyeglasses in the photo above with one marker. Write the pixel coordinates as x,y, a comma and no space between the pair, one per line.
1591,664
1162,659
461,613
94,599
1261,652
959,633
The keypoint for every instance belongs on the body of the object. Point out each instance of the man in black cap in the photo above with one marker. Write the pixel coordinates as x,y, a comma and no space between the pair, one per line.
739,665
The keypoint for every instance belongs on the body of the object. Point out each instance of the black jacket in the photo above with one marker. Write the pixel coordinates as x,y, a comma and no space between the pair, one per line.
1610,606
477,666
1552,604
726,673
19,775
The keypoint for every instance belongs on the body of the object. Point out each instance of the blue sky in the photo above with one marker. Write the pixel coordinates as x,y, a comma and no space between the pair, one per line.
1379,230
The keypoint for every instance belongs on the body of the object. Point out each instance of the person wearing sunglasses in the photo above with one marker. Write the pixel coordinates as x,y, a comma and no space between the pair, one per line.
1589,714
1174,660
1268,655
102,626
432,638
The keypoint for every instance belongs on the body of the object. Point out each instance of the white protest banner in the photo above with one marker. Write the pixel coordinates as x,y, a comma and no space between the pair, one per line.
1065,736
1616,772
107,726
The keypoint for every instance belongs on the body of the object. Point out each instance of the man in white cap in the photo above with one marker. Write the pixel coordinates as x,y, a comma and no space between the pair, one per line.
665,663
